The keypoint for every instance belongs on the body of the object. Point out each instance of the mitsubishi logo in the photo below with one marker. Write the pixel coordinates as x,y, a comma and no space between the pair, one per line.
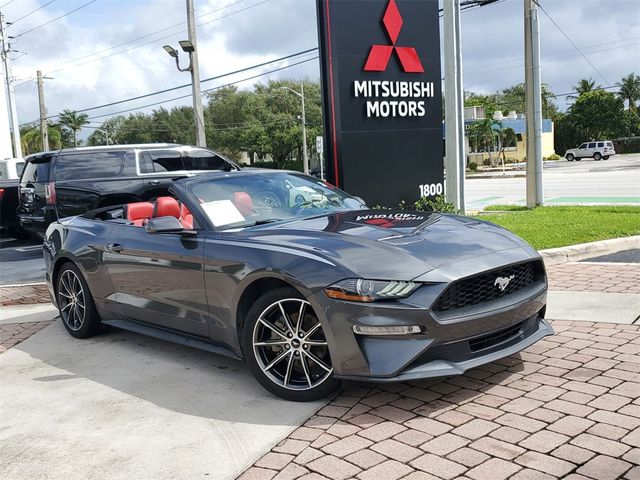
503,282
380,54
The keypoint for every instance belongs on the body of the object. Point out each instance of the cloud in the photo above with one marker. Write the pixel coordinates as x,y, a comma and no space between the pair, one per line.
237,33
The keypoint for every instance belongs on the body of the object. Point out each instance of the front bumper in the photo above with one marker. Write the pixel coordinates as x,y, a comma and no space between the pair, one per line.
449,345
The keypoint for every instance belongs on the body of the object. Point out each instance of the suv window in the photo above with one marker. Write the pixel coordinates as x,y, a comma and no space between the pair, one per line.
609,144
36,172
205,160
600,144
592,145
158,161
584,145
89,165
19,168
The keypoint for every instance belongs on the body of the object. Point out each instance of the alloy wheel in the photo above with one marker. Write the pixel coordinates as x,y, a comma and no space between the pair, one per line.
71,299
290,347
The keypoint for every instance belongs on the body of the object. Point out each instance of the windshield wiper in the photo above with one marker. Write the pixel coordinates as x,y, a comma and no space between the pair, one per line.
263,222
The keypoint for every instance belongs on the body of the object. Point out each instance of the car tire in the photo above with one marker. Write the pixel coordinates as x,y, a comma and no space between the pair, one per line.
597,157
578,159
570,157
280,351
75,303
606,157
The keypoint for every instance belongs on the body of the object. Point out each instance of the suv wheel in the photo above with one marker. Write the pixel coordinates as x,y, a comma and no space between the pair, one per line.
606,157
285,348
597,156
570,157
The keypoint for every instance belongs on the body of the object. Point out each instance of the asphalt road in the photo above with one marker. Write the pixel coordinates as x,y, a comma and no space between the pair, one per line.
615,181
629,256
20,261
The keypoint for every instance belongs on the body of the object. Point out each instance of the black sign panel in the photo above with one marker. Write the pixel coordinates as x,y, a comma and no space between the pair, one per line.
382,98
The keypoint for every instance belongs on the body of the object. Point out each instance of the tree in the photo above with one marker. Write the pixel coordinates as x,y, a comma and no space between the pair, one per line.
598,115
74,122
514,98
630,90
506,138
31,140
483,132
584,86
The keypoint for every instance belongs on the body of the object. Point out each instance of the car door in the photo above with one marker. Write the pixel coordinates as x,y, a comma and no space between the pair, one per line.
591,149
581,151
158,278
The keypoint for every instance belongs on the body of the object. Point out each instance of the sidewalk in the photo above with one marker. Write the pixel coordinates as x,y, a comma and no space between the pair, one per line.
24,294
567,407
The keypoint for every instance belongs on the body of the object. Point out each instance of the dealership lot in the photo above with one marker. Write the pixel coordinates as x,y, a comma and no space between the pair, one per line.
568,405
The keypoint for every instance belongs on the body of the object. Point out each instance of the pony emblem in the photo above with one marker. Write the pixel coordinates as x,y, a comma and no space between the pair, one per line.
503,282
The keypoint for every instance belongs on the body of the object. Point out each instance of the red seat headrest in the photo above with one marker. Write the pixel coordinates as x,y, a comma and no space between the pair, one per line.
243,202
138,210
167,207
184,211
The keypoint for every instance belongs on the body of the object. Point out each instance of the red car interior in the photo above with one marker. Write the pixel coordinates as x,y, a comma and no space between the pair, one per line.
243,202
138,212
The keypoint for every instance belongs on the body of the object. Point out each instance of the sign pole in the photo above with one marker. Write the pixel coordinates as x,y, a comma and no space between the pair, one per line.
454,106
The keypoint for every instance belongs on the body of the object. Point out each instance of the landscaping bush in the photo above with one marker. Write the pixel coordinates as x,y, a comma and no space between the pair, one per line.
439,204
486,162
473,166
553,156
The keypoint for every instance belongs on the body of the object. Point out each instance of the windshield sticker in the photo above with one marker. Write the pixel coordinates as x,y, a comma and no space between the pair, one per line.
222,212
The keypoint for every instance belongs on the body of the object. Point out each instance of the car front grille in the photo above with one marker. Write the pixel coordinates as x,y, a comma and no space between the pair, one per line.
495,338
487,286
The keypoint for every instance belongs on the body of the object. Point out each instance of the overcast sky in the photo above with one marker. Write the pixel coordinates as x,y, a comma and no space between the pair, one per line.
96,55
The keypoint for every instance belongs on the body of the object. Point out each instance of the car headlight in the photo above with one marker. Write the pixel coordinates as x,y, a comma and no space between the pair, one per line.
362,290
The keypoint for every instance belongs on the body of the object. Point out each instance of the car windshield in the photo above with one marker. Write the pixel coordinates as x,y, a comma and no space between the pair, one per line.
243,200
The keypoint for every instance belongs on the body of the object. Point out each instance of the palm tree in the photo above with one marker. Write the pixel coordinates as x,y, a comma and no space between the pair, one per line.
584,86
482,131
630,90
31,139
74,122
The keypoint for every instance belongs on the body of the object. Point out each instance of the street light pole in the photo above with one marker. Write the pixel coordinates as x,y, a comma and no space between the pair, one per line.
454,106
201,140
305,156
190,46
5,50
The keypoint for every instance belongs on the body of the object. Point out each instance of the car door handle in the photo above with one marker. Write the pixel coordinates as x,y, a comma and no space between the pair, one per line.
154,182
114,247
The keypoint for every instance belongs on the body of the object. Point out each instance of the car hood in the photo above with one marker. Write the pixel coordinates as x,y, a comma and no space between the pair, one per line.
388,244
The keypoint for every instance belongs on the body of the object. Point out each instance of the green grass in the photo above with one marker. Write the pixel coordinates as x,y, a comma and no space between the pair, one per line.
550,227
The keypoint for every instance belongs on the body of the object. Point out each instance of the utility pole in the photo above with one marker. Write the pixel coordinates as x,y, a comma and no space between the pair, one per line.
5,50
533,104
305,155
44,128
201,140
454,105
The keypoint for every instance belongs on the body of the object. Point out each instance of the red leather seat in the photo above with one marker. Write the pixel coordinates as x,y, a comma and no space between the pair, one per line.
186,218
167,207
243,202
138,212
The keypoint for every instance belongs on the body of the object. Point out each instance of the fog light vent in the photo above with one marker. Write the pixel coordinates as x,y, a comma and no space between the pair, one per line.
387,330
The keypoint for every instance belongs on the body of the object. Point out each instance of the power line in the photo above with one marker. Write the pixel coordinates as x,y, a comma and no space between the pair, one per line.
570,41
205,91
286,57
133,40
32,12
7,3
56,19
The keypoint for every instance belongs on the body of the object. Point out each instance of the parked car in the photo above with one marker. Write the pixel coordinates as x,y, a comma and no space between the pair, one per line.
596,150
73,181
307,291
10,171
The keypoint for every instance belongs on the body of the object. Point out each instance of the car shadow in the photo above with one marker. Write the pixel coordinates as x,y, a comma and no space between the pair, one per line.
177,378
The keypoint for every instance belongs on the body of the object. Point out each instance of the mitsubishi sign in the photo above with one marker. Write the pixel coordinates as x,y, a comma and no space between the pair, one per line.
382,98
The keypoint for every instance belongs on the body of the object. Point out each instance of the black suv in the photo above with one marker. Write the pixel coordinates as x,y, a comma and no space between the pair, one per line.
73,181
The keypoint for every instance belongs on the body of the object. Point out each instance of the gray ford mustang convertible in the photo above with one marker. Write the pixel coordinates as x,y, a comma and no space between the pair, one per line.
300,280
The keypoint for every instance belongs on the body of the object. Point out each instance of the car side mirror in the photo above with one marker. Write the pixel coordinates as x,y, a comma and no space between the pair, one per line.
163,225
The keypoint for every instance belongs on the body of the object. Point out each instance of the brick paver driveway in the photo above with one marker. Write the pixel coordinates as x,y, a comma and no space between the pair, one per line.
567,407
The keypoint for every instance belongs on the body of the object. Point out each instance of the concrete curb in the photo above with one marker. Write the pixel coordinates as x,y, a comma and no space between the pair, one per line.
582,251
518,175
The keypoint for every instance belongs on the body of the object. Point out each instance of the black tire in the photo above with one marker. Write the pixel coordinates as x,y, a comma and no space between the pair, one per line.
606,157
79,324
570,157
256,356
578,159
597,157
